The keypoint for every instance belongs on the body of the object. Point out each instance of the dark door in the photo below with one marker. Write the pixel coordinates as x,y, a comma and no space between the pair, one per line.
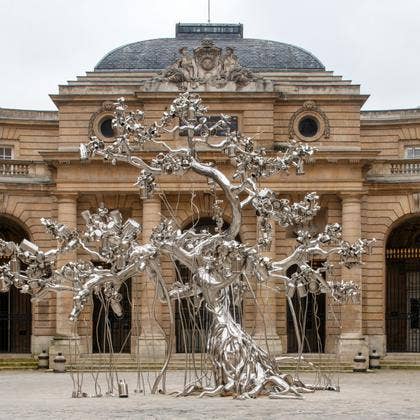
112,333
15,322
310,314
402,313
403,305
15,307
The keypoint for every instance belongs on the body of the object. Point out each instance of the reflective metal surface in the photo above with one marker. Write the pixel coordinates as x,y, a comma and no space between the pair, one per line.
218,262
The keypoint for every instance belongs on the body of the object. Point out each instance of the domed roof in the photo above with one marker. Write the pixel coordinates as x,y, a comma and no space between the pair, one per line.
256,54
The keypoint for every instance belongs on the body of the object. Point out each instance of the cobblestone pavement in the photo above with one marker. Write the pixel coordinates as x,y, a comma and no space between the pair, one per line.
45,395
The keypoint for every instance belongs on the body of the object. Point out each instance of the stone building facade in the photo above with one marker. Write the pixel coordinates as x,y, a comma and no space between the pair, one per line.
366,172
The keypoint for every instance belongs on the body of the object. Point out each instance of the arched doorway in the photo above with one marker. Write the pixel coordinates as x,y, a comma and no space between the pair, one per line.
310,314
15,307
112,333
403,287
192,319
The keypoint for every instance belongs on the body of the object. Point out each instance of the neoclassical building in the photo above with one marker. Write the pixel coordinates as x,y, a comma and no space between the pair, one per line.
366,172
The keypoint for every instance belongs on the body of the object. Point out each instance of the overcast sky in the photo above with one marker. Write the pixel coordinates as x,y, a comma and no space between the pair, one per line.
375,43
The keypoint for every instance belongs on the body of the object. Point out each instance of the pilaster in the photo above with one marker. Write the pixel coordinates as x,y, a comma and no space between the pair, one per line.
65,341
67,214
151,343
351,338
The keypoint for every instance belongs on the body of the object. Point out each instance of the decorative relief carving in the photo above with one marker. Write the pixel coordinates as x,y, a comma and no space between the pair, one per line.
106,109
207,65
309,109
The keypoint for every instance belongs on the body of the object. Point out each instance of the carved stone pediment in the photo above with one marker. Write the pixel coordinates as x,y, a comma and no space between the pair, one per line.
208,65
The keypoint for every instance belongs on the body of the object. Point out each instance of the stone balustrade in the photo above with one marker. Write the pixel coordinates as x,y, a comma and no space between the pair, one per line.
24,168
405,167
14,168
390,170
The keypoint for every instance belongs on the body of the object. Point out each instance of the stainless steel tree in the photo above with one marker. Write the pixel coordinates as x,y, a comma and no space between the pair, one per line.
218,262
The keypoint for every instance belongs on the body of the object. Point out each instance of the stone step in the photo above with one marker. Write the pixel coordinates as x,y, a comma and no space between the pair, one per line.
401,361
156,368
344,367
398,363
12,367
100,363
9,363
401,366
414,359
16,356
326,362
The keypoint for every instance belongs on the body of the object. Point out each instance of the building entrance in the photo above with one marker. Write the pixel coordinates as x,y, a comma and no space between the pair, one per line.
310,316
110,333
403,288
15,307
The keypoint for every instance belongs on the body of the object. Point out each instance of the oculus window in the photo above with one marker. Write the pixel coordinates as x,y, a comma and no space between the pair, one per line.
308,126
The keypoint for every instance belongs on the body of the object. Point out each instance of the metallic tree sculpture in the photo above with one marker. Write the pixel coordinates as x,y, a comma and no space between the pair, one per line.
217,261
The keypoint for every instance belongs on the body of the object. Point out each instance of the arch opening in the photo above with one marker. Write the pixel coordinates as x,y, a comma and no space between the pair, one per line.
15,307
310,311
402,301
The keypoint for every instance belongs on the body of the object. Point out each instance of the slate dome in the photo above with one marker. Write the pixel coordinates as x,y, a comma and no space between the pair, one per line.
256,54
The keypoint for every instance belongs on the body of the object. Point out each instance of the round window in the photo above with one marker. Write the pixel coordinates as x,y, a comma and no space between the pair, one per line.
308,127
106,128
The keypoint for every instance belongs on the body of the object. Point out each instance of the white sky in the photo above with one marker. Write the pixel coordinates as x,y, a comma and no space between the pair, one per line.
375,43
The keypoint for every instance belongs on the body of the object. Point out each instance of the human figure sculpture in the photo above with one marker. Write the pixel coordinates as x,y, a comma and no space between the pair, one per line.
229,61
183,70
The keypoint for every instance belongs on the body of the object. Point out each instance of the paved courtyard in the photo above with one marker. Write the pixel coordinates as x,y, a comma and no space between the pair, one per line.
45,395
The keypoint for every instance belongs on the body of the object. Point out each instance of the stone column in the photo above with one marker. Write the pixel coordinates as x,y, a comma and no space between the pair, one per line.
351,339
152,344
266,313
67,214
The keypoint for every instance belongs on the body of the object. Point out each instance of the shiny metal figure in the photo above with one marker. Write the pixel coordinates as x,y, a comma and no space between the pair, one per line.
217,261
